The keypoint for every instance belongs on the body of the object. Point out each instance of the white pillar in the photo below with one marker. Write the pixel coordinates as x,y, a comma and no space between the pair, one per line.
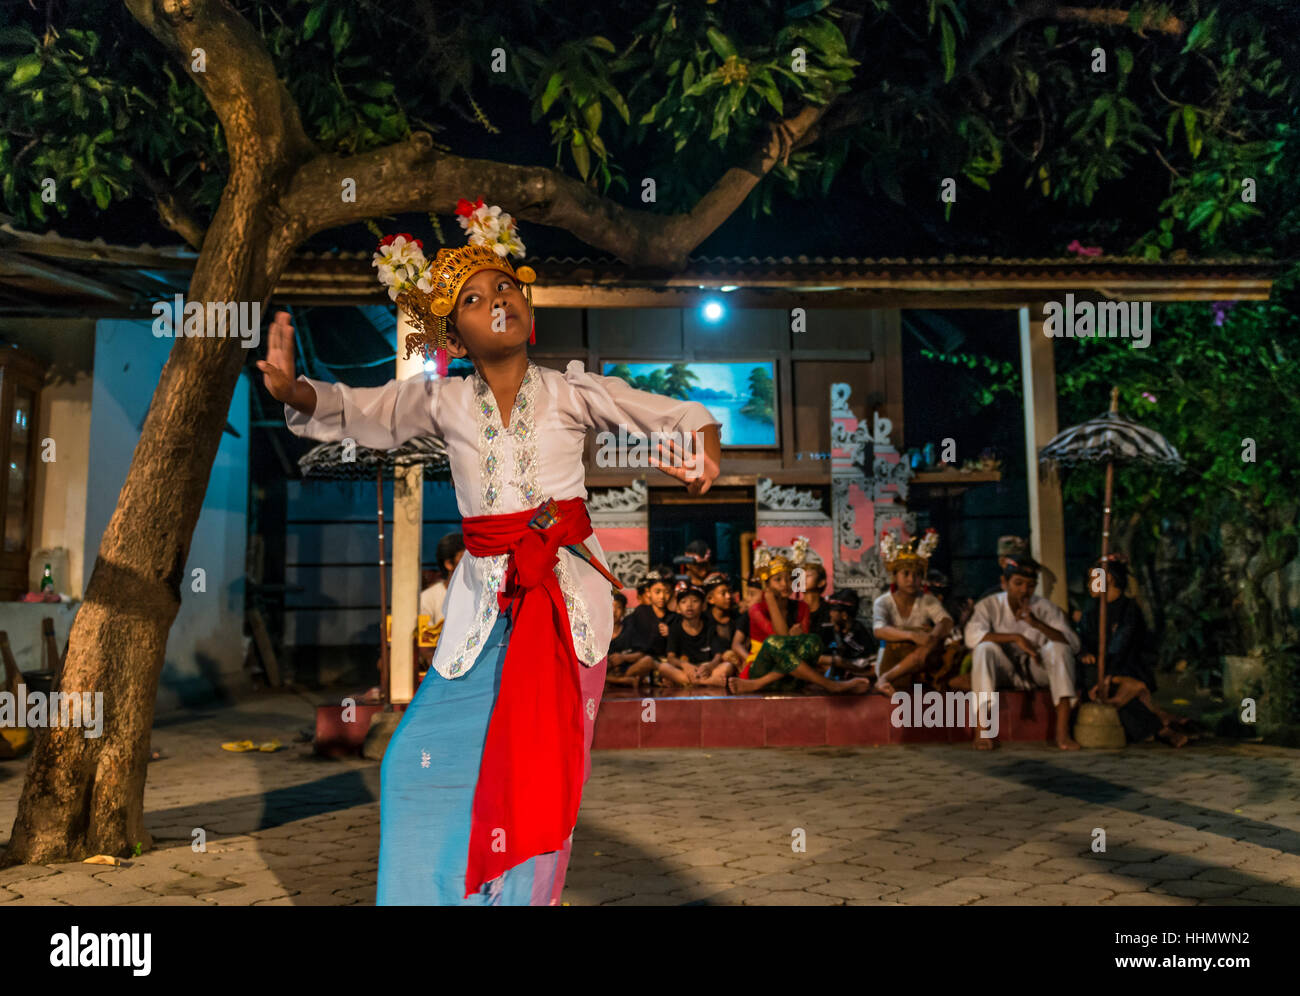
1046,508
408,522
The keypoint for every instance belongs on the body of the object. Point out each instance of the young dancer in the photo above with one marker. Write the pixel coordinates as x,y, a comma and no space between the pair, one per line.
481,782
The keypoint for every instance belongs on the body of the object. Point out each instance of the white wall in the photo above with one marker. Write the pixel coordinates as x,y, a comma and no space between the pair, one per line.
205,650
59,518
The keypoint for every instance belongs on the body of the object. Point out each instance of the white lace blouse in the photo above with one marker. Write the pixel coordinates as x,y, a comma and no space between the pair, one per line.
500,469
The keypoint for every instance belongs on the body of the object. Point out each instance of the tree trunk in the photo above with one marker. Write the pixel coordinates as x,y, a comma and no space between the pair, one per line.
85,796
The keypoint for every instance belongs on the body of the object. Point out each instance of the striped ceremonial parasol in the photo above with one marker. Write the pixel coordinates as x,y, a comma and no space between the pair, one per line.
1109,438
348,461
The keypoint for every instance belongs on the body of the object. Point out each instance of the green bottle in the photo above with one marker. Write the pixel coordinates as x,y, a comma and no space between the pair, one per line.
47,580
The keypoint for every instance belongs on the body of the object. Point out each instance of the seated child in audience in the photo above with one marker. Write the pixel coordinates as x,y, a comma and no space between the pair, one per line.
848,643
728,625
626,664
697,561
814,596
689,649
649,623
1130,678
776,613
790,663
911,624
1021,640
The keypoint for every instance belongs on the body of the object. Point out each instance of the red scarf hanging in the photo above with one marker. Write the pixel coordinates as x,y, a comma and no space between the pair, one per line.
530,778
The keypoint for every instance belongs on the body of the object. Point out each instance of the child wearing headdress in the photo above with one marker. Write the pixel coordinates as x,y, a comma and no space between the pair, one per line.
481,782
911,624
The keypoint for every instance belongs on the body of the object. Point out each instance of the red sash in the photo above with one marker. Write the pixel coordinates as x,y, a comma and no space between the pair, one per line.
530,777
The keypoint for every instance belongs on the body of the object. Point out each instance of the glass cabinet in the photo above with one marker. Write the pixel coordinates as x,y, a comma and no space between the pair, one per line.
21,378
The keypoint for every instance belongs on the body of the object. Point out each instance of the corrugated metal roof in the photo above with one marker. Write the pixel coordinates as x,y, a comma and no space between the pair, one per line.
98,250
868,262
48,272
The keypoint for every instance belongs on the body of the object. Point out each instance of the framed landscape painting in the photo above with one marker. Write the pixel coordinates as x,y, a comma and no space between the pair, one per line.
741,395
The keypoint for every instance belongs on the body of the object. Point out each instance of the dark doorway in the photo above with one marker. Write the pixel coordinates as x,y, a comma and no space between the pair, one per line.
719,518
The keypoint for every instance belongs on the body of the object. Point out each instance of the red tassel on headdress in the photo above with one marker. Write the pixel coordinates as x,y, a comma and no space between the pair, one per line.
440,362
532,332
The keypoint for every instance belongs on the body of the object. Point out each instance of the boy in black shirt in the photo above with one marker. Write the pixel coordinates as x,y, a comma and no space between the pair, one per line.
650,622
728,630
819,610
625,665
848,642
688,639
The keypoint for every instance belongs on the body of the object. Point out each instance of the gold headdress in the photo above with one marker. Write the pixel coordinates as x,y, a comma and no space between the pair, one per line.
427,290
801,553
768,564
914,553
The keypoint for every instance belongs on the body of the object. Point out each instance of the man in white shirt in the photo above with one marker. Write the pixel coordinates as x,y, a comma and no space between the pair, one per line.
1020,640
450,549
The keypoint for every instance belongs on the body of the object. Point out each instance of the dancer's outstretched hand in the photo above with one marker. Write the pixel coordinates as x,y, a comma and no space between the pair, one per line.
699,469
277,369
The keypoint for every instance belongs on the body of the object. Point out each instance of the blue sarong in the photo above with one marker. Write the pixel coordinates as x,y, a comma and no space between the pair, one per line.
427,782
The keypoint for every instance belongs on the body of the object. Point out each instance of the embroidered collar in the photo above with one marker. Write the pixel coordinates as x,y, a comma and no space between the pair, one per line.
487,401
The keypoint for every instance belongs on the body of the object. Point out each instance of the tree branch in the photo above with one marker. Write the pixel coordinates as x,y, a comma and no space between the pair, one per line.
1110,18
172,210
260,121
413,177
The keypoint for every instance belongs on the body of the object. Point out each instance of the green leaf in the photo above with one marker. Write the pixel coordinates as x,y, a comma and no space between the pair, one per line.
340,32
581,154
619,103
313,20
1189,125
823,33
720,119
948,46
1112,126
1200,32
1125,59
807,9
99,190
28,69
17,38
376,88
592,115
721,44
601,42
553,87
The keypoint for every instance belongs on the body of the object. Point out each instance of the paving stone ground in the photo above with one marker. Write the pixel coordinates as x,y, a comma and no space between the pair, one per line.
914,825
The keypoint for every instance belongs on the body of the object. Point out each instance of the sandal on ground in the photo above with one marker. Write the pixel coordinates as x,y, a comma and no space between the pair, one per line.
727,683
239,747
